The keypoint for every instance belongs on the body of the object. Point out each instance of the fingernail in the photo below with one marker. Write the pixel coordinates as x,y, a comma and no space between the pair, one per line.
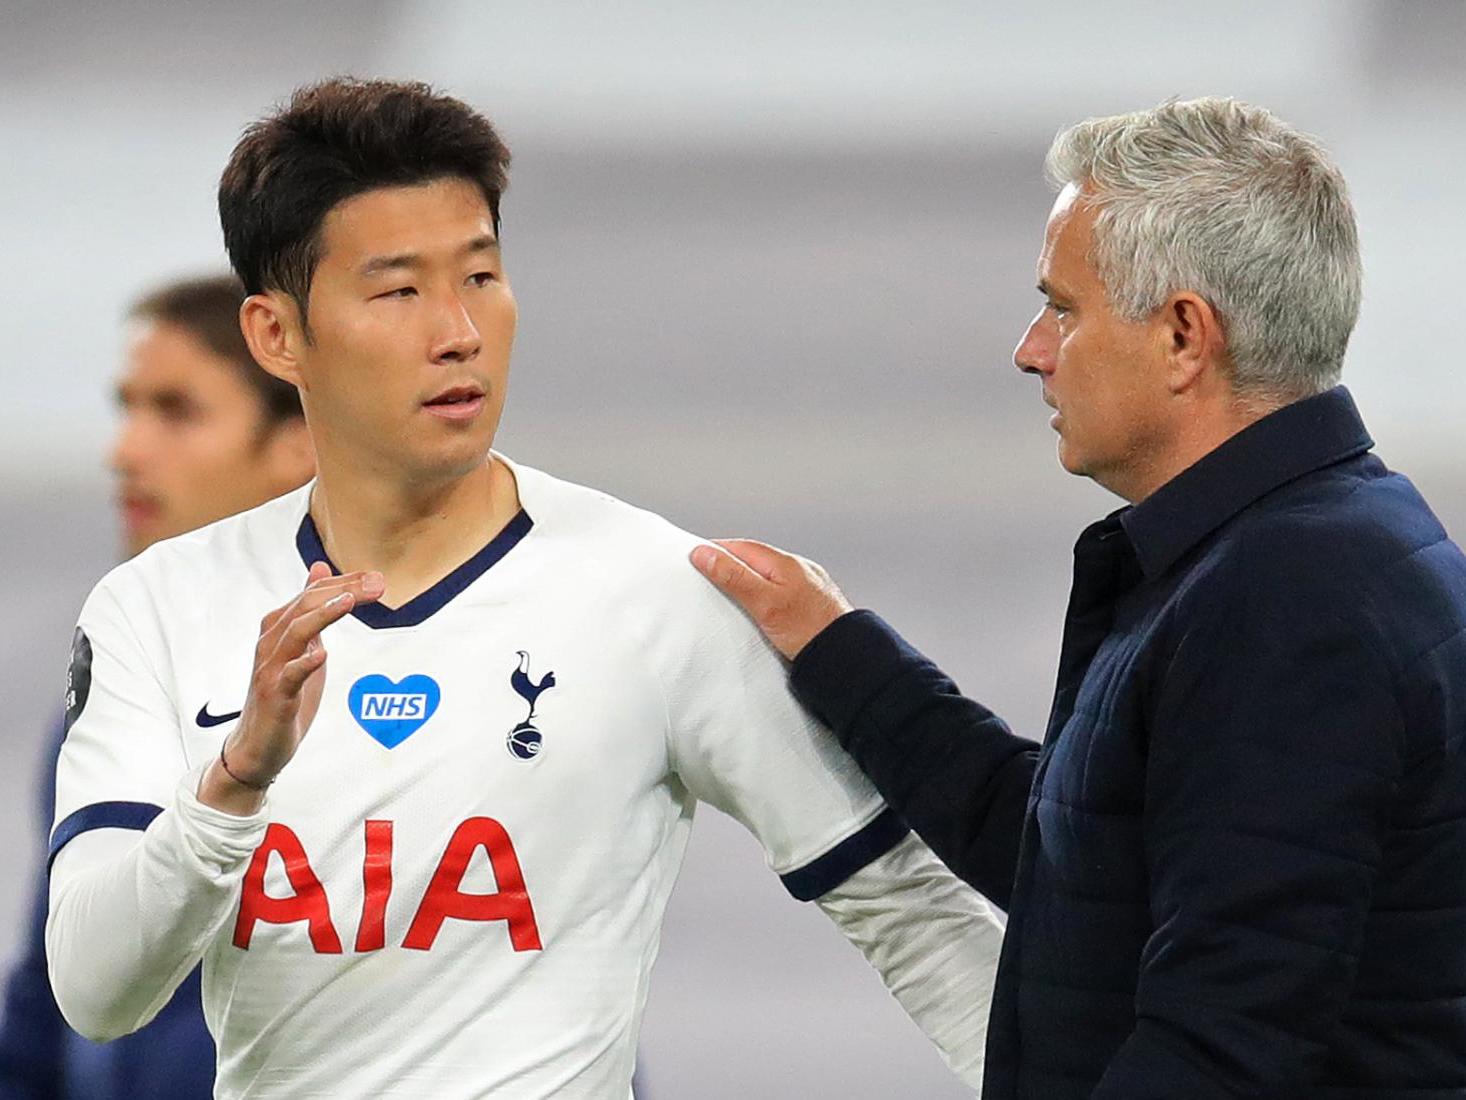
702,557
345,597
374,584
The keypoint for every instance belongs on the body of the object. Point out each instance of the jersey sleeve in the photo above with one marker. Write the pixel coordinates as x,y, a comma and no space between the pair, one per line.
122,755
740,741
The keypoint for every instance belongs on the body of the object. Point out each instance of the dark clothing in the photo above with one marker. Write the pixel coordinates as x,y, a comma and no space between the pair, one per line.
1237,865
41,1058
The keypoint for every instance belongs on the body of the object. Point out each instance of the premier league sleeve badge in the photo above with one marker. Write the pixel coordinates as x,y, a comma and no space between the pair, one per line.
78,677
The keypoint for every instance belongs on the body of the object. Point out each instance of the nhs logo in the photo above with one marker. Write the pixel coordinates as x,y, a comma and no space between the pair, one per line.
394,706
392,711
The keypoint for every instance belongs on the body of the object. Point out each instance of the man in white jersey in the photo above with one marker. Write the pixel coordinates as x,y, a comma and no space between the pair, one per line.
436,862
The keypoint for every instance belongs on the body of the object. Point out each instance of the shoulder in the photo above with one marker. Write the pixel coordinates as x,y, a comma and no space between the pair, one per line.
238,552
1348,528
588,520
1354,552
635,558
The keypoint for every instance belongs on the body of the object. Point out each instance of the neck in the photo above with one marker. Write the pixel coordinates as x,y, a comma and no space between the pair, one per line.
1194,436
414,534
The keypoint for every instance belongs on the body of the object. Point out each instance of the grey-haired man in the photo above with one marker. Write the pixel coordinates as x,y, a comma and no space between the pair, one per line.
1236,867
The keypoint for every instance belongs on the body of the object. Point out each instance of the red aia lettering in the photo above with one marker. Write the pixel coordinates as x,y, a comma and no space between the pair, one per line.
308,903
444,899
376,875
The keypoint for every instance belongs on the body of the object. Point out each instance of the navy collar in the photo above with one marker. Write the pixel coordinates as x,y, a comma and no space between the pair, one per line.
1295,440
420,607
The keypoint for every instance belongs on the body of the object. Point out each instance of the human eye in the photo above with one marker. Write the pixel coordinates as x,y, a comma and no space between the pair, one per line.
482,278
399,293
176,409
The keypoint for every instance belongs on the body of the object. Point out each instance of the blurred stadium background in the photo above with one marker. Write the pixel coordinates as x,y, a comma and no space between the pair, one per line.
771,259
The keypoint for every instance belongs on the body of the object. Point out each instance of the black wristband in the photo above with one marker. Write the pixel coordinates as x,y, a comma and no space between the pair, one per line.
240,779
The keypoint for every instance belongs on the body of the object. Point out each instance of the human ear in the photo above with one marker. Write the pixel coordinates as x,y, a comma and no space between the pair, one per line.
1194,341
275,333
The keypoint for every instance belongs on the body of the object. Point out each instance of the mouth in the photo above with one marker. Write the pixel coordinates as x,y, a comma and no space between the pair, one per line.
456,403
138,509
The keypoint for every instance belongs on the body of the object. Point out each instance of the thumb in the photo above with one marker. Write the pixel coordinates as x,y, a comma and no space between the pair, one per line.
729,575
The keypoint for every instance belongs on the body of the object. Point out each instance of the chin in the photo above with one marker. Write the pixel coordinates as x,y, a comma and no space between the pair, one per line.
450,464
1068,459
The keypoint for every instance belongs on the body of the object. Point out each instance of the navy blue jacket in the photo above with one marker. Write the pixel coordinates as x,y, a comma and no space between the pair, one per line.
41,1058
1236,867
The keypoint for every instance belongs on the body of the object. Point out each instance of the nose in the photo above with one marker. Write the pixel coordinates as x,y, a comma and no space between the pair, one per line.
457,339
1035,353
126,454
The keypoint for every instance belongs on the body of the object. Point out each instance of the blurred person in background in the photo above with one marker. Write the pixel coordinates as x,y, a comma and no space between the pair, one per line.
204,433
1237,865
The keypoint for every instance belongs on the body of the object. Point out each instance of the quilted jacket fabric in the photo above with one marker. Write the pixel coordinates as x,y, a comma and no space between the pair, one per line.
1236,867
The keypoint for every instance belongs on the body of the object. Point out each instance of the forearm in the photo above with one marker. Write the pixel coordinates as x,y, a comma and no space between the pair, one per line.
131,914
934,942
950,767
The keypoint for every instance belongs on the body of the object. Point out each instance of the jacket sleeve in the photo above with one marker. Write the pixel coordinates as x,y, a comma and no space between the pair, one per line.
1274,754
948,766
31,1029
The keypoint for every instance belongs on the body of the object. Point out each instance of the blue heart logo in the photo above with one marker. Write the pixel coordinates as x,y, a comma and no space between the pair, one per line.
392,712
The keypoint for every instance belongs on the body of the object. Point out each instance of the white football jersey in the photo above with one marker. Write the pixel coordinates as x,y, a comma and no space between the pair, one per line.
461,888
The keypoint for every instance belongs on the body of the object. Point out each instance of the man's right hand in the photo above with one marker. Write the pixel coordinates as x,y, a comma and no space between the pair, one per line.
791,599
284,689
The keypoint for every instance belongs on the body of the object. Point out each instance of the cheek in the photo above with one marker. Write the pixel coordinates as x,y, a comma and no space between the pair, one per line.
497,323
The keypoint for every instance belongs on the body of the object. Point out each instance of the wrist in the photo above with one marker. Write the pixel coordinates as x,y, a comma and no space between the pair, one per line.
220,790
246,776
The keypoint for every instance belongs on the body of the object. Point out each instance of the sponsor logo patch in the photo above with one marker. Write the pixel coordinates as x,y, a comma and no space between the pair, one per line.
392,711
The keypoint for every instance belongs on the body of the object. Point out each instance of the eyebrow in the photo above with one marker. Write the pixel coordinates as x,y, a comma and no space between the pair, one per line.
127,397
399,261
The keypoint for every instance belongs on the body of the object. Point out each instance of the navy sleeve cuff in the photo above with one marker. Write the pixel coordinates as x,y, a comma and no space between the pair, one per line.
816,879
846,665
101,815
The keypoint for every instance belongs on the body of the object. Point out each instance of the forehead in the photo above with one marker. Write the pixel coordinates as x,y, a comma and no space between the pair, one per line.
1067,236
419,219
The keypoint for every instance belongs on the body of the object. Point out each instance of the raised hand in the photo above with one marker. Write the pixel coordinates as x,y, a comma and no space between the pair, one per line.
789,598
284,689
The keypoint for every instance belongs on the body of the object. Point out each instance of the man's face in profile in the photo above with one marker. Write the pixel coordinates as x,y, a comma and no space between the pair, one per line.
193,444
1103,375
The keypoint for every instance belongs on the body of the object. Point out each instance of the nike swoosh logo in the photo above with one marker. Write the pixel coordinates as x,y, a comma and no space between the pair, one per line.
206,719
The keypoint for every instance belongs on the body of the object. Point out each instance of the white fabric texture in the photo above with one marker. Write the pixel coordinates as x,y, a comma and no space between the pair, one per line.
934,941
457,886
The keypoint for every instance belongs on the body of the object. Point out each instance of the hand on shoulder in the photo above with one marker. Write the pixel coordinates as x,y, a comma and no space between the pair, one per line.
791,599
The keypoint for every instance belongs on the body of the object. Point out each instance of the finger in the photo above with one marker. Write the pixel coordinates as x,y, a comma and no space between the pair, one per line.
365,587
730,575
295,673
319,571
363,582
767,561
307,625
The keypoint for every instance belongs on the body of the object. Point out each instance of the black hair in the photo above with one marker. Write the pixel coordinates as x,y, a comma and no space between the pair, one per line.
332,141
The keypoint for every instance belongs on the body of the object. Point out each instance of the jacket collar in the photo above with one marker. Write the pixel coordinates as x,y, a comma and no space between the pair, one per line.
1295,440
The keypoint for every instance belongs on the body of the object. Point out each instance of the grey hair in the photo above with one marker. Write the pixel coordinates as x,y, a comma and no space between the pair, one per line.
1224,199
